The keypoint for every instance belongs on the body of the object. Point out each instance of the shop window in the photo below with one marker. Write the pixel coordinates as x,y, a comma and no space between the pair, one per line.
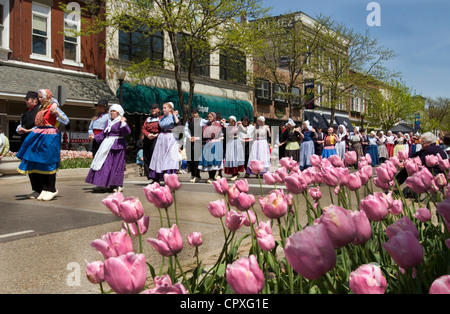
41,32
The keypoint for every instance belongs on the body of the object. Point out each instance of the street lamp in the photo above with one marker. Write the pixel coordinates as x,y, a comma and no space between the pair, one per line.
121,77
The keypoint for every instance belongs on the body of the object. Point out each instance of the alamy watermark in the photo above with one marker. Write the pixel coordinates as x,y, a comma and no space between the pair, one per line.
374,17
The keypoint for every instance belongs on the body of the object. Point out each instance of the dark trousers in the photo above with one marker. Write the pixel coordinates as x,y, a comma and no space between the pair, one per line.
43,182
149,147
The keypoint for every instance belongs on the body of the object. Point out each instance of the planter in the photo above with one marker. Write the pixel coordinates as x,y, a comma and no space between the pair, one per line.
9,165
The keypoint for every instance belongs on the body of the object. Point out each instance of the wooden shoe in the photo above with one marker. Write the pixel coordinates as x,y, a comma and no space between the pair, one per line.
49,196
41,195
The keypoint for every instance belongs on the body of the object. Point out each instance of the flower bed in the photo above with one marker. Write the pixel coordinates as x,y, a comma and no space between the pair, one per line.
383,243
73,159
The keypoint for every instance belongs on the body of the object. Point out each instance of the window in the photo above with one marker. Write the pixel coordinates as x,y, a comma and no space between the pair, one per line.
2,27
233,66
279,92
141,45
72,49
320,94
41,36
262,89
295,95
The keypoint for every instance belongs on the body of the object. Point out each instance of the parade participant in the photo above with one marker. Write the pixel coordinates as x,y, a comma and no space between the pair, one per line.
165,157
372,149
28,116
108,166
291,142
418,141
4,144
193,144
246,136
150,130
40,152
390,142
282,138
318,141
382,151
330,140
234,157
98,123
223,123
211,159
399,143
306,145
341,146
364,142
260,148
356,143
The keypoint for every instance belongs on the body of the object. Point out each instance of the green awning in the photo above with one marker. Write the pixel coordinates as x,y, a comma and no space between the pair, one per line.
137,99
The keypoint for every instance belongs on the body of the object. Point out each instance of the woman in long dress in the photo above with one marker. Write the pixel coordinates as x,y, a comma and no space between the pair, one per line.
399,143
372,148
260,147
108,166
306,145
291,141
40,152
234,153
341,146
211,159
356,143
390,143
382,150
166,157
330,141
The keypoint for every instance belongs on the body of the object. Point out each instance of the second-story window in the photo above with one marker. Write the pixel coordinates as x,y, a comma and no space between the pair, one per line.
262,89
233,66
72,48
279,92
295,95
2,27
41,36
140,45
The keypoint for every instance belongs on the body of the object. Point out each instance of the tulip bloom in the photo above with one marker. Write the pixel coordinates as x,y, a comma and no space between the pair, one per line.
234,220
421,181
310,252
264,236
440,180
126,274
270,178
350,157
385,173
257,166
405,249
336,161
423,214
367,279
242,185
443,208
330,176
142,223
160,196
171,180
221,185
431,160
233,194
441,285
113,201
403,224
375,208
163,285
244,276
95,272
244,201
396,208
113,244
148,191
363,228
274,205
354,181
131,210
194,239
217,208
315,193
315,159
296,183
339,225
403,155
168,242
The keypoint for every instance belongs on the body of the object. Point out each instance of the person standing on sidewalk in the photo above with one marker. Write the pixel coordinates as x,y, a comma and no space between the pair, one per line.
98,123
193,144
4,144
150,130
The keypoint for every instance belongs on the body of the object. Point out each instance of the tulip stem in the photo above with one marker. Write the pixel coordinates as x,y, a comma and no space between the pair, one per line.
175,206
140,237
160,217
183,274
168,218
260,185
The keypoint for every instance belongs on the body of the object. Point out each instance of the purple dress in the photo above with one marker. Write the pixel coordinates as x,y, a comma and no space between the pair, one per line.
112,171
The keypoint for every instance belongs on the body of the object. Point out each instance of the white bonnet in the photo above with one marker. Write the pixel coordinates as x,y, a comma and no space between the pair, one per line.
118,108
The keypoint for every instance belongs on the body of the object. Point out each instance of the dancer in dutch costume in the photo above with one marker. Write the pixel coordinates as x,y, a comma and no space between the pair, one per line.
98,123
306,145
108,166
150,129
234,157
260,147
330,140
341,146
291,141
211,159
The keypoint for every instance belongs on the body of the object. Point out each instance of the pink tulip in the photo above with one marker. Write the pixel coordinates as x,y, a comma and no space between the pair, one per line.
443,208
274,205
218,208
288,163
403,224
403,155
375,209
95,272
257,166
282,173
127,273
113,201
131,210
245,201
444,164
221,185
242,185
431,160
344,175
423,214
441,285
396,208
383,185
367,279
421,181
339,225
440,180
350,157
330,176
233,194
168,242
365,173
310,252
405,249
363,228
245,268
194,239
315,159
354,181
296,183
161,196
142,223
248,222
315,193
234,220
171,180
113,244
336,161
163,285
270,178
385,173
149,189
385,198
264,236
411,167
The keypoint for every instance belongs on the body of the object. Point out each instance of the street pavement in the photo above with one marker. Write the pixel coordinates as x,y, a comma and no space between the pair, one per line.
44,246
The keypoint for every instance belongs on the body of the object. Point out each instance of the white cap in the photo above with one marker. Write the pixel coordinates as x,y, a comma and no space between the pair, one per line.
118,108
232,118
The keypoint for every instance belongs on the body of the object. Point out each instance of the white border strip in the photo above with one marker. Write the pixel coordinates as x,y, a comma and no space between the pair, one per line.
15,233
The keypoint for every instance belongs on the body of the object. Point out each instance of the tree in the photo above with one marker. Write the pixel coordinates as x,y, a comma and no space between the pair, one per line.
390,104
436,115
195,29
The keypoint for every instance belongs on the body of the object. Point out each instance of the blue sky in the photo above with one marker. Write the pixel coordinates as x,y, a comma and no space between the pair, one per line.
417,31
